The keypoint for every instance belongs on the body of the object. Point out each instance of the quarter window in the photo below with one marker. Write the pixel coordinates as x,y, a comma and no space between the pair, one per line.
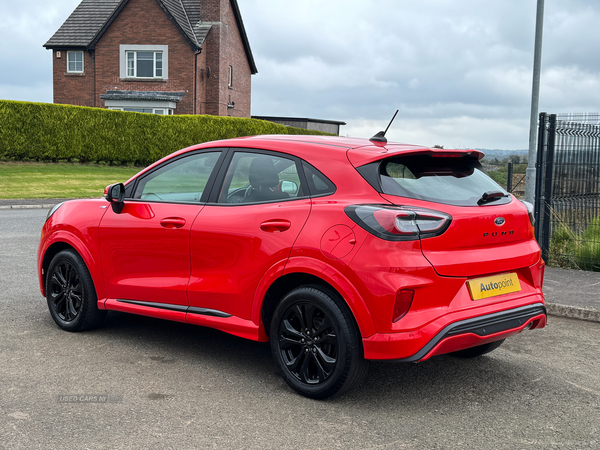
75,62
318,183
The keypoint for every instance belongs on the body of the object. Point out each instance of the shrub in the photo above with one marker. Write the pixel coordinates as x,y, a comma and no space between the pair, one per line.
571,250
48,132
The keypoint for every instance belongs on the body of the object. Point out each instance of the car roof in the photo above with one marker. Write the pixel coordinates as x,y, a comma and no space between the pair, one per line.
321,150
360,151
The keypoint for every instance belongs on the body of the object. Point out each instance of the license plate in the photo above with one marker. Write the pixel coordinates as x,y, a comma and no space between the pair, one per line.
486,287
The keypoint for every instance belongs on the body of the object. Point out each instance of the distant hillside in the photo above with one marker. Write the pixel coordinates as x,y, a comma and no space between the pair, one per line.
501,154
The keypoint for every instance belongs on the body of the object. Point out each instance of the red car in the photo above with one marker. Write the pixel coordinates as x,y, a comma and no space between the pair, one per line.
336,250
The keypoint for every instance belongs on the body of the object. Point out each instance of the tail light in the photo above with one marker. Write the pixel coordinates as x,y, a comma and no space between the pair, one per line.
399,223
529,211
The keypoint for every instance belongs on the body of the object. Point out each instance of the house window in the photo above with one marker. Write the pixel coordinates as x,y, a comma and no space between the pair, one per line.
144,65
75,62
230,83
144,61
163,111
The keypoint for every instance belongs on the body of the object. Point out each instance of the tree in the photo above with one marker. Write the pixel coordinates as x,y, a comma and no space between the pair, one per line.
515,159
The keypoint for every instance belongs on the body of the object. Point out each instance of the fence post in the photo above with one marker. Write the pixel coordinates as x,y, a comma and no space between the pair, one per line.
509,177
548,180
539,174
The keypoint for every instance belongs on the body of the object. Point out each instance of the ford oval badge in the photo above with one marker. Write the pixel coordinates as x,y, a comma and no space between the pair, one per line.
499,221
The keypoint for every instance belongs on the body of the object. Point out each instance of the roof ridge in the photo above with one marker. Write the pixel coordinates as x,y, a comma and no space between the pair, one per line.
187,17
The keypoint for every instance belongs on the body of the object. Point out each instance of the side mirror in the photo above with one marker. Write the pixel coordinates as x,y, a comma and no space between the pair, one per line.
115,194
289,187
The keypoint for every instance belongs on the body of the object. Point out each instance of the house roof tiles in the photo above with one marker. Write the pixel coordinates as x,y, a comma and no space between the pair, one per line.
84,24
88,22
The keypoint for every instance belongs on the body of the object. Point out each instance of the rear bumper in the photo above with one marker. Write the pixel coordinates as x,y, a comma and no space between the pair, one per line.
458,335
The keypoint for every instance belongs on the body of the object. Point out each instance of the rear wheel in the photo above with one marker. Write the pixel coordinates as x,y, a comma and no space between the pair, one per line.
479,350
70,293
316,344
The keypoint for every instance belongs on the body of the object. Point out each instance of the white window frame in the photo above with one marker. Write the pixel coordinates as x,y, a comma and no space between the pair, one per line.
70,55
166,107
123,69
230,81
159,111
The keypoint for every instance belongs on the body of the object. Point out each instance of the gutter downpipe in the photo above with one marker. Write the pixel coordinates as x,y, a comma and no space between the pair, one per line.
196,80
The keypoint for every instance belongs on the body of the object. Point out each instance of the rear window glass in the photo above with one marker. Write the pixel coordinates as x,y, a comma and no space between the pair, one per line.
457,181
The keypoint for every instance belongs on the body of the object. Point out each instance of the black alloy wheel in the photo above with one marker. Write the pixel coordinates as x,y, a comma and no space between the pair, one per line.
316,343
70,293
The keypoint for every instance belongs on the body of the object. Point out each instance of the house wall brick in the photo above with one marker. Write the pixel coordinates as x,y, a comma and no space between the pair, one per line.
233,54
73,88
144,22
224,47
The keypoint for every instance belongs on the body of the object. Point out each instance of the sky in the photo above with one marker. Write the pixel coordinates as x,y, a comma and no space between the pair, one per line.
459,71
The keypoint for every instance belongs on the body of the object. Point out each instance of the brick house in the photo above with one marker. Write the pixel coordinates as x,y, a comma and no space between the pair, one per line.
159,56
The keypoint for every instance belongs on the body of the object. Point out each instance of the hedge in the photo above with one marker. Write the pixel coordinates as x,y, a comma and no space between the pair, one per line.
48,132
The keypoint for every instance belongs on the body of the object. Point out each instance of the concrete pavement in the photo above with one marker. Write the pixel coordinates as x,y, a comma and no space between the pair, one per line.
569,293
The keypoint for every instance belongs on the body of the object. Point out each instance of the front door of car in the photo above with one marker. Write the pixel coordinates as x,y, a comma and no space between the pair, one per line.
145,248
247,229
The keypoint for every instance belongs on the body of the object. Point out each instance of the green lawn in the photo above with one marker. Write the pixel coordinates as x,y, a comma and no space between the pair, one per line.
59,180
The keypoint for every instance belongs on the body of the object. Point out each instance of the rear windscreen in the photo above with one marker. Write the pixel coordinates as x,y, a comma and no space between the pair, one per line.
457,181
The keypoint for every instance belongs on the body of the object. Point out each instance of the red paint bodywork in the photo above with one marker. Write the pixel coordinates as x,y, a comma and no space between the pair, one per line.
225,258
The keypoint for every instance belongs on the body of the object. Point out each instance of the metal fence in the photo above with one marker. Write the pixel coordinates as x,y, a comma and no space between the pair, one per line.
568,190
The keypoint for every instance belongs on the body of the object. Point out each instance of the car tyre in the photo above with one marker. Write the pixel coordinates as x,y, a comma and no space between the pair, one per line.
316,343
70,293
474,352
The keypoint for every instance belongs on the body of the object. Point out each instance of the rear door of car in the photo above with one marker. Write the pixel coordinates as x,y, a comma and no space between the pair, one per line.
246,230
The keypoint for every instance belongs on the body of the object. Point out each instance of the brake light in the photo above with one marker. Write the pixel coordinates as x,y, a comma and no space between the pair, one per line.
399,223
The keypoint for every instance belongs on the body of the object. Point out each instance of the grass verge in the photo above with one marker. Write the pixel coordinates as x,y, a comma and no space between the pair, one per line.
59,180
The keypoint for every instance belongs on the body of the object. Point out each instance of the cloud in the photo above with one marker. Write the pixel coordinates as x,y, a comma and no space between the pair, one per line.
459,72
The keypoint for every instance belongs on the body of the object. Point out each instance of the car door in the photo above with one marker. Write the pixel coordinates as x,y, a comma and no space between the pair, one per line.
145,248
247,229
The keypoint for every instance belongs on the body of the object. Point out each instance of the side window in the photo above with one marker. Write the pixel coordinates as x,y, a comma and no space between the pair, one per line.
254,178
318,183
75,62
182,180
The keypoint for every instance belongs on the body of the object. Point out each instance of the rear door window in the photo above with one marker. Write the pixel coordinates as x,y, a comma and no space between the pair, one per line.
260,177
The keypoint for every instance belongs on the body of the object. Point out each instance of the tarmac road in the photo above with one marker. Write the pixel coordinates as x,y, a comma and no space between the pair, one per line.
171,385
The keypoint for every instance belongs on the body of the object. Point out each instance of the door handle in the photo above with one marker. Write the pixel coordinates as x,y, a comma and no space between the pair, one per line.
275,226
172,222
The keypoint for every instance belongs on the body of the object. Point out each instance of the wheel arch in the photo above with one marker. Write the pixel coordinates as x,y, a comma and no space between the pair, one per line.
297,274
65,241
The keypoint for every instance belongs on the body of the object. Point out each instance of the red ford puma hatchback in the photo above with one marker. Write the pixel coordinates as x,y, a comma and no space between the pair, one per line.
336,250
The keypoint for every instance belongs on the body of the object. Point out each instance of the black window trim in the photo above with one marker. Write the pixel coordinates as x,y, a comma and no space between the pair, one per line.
217,177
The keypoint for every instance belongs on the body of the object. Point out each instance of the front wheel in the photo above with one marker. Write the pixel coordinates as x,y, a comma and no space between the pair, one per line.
70,293
316,344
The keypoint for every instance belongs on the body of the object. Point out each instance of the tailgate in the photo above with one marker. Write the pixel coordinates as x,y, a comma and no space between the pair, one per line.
481,240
